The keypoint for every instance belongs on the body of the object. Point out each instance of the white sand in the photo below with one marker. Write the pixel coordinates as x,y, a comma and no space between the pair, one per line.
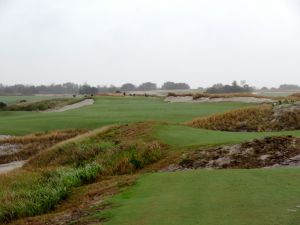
4,168
77,105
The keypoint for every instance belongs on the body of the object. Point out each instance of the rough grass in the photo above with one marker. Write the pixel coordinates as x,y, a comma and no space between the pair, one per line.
259,118
246,119
119,150
44,192
34,143
292,97
41,105
226,95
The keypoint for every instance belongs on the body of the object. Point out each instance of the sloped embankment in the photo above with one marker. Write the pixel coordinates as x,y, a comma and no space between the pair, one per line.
48,177
268,152
258,118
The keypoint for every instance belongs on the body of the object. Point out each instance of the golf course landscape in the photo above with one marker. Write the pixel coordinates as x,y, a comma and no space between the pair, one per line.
126,145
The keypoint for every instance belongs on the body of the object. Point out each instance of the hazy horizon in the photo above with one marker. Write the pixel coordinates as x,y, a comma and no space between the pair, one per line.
115,42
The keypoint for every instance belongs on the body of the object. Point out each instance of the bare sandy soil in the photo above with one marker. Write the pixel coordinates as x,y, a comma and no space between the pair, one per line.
4,168
269,152
77,105
3,136
189,99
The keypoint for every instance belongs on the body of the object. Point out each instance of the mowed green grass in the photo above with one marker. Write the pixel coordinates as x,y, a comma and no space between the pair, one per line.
109,110
184,136
211,197
30,98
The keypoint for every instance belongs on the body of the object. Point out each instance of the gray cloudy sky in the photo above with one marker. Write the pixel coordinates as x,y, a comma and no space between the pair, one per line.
115,41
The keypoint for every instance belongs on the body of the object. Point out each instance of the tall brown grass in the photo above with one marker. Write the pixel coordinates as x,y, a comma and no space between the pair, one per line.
246,119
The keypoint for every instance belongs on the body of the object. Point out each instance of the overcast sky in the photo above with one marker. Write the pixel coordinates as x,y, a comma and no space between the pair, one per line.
103,42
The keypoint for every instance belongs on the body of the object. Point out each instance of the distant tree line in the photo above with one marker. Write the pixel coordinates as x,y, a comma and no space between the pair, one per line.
283,87
71,88
233,88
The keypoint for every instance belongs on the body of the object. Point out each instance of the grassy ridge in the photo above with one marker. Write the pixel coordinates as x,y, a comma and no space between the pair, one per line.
222,197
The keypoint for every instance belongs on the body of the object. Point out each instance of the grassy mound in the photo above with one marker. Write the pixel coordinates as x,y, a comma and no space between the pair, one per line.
259,118
41,105
48,177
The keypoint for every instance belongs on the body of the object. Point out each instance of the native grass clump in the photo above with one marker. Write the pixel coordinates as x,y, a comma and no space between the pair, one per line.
256,118
47,178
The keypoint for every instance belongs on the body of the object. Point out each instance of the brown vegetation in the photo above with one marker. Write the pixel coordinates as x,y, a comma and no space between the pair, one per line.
226,95
258,118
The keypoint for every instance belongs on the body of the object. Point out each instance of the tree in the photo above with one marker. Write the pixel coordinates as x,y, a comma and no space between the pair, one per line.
148,86
233,88
88,90
127,87
174,86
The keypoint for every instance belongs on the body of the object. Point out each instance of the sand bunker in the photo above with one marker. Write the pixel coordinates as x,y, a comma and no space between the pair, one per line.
4,168
265,153
189,99
77,105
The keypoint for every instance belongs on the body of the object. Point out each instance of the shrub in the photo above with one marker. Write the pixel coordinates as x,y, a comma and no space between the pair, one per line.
2,105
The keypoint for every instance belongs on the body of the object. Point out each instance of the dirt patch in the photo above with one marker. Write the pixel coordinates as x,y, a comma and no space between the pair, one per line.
4,168
77,105
268,152
191,99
